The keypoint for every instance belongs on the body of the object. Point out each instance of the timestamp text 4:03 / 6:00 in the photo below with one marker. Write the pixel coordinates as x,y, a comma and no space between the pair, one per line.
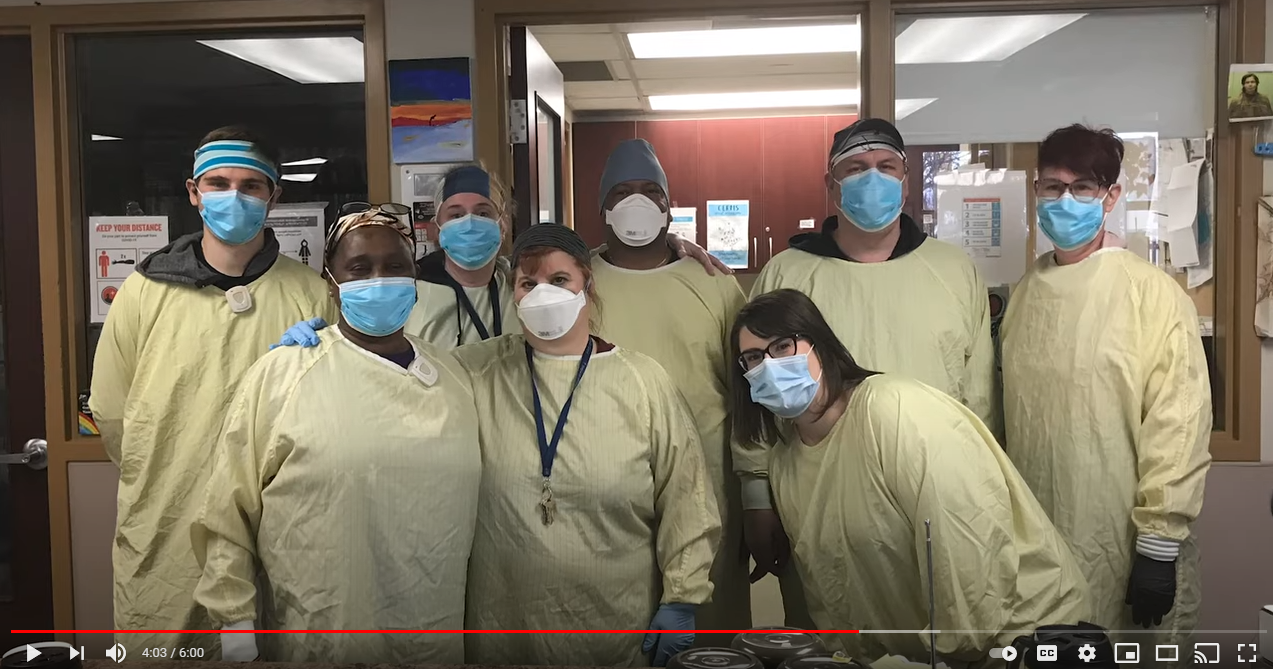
174,653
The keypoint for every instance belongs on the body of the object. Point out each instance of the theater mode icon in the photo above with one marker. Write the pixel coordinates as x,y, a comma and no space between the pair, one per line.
1167,653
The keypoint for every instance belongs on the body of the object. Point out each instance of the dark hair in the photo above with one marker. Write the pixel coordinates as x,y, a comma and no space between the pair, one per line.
244,134
1087,152
786,313
1250,75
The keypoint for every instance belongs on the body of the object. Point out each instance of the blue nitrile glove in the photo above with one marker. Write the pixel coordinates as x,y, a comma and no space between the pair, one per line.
679,617
304,334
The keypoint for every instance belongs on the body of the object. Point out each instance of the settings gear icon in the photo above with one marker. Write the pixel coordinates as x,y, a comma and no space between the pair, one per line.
1087,652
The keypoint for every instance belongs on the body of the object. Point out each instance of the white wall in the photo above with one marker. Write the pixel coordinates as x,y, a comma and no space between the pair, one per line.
427,29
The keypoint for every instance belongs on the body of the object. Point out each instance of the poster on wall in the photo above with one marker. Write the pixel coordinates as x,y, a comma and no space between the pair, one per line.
1246,102
116,245
298,227
431,110
684,223
727,227
983,227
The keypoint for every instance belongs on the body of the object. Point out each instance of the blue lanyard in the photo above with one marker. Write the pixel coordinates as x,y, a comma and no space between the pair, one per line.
548,449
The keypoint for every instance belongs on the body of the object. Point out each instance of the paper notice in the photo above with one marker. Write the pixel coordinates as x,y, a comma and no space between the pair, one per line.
1181,214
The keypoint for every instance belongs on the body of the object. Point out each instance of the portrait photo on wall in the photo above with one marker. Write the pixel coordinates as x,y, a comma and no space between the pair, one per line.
1248,97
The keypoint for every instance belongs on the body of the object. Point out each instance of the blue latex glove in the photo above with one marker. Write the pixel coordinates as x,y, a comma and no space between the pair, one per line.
304,334
678,619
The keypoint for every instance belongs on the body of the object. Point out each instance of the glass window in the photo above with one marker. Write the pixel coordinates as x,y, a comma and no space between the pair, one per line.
548,152
144,102
997,84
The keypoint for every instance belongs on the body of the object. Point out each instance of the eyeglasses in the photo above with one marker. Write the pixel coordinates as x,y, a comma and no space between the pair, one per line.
391,208
1083,190
782,347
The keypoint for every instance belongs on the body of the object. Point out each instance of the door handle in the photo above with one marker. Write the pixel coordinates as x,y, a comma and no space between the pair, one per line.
755,251
34,455
771,248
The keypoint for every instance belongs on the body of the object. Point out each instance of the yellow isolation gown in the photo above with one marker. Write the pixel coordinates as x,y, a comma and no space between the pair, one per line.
924,315
1108,414
854,506
168,361
635,525
438,319
352,484
681,316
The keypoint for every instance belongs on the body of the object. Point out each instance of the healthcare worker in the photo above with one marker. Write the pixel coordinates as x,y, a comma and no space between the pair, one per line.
860,461
905,303
463,289
596,511
356,507
1108,402
671,310
181,332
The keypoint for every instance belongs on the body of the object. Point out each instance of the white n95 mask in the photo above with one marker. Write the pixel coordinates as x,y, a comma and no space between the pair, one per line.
549,311
636,220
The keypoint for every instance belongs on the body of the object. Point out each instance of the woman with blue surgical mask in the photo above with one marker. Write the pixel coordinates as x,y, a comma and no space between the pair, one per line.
462,290
596,512
353,505
1107,398
859,461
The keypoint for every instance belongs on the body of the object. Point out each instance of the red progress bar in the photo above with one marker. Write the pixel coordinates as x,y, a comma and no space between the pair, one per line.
405,631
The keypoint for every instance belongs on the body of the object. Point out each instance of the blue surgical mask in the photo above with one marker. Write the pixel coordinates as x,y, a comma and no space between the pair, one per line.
233,217
470,242
871,200
783,385
377,307
1070,223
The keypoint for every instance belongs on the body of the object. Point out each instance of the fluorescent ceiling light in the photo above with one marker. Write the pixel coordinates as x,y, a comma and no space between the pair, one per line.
298,177
106,138
840,38
906,107
307,60
835,97
974,39
307,161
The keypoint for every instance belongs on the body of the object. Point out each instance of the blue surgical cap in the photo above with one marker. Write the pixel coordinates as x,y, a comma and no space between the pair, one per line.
633,160
467,179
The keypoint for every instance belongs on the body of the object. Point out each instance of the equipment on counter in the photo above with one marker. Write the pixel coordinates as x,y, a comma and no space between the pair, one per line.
838,661
775,645
1083,645
714,658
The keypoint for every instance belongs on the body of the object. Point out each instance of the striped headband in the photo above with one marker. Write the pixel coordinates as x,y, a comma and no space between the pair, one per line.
232,153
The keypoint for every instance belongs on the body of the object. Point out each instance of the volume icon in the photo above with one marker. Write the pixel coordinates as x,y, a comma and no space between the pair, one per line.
117,652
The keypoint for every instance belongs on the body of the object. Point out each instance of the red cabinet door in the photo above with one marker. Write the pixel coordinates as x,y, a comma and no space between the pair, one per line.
731,167
794,190
592,145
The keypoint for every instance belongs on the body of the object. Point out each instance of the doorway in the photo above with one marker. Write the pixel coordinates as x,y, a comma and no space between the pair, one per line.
25,587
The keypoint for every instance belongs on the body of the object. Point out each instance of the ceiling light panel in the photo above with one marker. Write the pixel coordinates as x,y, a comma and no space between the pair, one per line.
299,177
835,97
974,39
307,161
840,38
306,60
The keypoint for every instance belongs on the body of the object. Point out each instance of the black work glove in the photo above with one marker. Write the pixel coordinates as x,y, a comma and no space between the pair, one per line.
766,541
1151,590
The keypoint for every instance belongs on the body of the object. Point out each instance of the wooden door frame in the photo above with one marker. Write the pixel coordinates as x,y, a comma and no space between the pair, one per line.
23,354
1239,173
60,220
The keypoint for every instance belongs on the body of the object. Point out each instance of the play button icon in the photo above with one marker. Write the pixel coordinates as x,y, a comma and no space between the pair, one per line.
32,652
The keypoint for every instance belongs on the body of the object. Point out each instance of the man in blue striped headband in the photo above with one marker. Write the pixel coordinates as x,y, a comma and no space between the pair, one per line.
181,332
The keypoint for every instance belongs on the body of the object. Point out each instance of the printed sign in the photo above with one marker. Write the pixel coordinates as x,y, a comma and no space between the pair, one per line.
116,245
